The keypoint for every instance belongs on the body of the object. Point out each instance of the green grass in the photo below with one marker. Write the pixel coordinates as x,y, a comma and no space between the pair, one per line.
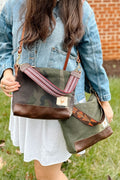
99,161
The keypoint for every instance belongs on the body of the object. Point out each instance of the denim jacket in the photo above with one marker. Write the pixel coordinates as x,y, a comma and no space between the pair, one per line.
51,54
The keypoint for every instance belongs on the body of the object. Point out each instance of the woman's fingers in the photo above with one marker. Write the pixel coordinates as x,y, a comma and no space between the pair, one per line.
8,89
108,111
9,82
8,94
9,85
11,88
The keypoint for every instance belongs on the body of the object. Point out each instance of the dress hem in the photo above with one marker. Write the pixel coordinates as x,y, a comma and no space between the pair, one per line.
32,157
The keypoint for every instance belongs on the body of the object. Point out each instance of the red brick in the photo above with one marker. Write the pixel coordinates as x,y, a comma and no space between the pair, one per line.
107,13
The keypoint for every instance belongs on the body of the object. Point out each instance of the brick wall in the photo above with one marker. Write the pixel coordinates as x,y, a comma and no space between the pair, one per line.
107,14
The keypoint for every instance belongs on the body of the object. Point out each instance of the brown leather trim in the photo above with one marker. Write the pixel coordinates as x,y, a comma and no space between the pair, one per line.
85,143
41,112
21,42
67,58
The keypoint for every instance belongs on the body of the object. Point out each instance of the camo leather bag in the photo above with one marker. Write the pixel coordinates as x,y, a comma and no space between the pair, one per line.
44,93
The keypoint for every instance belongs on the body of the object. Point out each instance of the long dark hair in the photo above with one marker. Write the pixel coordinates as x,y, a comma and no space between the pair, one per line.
40,21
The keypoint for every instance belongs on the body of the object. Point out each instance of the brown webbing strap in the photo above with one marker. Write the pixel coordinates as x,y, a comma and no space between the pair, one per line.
21,45
67,58
21,41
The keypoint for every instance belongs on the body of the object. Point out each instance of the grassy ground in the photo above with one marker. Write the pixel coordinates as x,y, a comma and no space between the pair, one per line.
99,161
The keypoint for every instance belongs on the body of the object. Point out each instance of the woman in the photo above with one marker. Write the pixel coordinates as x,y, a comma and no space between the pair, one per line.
50,29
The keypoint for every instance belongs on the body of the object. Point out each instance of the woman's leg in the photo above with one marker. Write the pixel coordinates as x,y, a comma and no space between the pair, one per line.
52,172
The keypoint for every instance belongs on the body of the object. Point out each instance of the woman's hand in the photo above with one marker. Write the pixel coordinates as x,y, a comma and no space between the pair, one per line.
108,110
8,83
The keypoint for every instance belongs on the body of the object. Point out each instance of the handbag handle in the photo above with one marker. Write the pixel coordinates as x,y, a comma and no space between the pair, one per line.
21,45
83,117
86,119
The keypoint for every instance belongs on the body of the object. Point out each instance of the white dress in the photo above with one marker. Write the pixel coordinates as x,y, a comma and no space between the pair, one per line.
40,140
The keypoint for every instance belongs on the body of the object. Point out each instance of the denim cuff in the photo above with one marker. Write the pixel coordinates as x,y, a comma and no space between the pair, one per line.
105,97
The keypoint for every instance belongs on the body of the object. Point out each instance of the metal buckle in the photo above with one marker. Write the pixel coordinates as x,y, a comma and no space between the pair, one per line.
78,69
18,58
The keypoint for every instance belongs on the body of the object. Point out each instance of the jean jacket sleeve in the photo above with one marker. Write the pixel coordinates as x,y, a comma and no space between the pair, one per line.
92,60
6,58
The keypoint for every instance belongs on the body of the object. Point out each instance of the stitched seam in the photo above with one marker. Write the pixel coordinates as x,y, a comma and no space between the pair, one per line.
95,64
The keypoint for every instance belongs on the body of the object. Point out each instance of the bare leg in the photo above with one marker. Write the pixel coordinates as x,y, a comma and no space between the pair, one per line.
48,172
